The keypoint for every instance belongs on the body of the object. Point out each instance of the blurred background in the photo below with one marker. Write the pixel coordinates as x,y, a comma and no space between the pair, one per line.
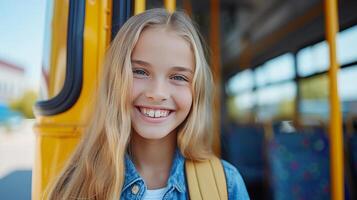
21,43
270,61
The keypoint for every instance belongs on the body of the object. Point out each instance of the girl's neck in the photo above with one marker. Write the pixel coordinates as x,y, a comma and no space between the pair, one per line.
153,158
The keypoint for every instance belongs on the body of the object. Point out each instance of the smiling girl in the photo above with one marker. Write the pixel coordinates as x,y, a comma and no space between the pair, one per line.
153,113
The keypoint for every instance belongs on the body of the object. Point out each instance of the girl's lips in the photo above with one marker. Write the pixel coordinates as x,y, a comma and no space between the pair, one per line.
154,112
151,119
154,107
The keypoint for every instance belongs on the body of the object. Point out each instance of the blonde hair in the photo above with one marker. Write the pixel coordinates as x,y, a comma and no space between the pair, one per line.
96,169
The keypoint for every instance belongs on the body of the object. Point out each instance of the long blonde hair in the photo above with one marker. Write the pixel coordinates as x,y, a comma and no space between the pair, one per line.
96,168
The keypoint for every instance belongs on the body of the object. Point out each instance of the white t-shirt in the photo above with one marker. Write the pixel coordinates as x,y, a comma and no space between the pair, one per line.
156,194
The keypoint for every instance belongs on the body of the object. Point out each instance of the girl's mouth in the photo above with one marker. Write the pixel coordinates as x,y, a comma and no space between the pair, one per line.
154,113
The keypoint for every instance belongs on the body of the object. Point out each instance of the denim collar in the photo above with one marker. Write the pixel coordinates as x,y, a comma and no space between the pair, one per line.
176,179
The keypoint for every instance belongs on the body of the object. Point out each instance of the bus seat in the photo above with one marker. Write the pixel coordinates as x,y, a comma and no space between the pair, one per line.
299,166
243,147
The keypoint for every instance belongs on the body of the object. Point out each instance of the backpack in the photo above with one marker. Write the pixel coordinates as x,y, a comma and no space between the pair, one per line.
206,179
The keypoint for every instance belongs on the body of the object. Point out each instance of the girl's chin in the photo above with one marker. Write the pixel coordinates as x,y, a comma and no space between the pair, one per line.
152,135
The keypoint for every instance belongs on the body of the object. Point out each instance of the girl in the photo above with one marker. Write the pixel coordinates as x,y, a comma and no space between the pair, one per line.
153,111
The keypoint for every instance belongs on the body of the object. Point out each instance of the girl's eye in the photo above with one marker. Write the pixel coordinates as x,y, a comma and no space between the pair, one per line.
139,72
179,78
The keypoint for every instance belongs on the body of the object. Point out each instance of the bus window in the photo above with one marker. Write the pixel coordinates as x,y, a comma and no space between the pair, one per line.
63,65
280,68
347,89
346,45
55,49
240,82
241,100
260,77
276,101
314,97
314,90
240,107
313,59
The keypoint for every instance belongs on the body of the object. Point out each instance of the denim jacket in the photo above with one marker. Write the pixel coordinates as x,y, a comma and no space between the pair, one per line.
134,186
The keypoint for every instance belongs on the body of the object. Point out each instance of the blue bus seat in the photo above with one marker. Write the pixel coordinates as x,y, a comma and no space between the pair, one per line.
299,166
243,147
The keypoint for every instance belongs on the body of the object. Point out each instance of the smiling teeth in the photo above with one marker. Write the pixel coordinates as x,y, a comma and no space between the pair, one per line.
154,113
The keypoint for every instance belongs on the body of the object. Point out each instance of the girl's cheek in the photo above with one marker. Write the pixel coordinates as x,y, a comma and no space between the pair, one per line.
138,87
183,96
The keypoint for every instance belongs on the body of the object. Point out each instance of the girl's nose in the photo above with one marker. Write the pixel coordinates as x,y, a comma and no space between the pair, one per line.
157,92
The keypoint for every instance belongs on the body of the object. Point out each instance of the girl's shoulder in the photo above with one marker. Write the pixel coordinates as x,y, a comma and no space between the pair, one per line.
235,184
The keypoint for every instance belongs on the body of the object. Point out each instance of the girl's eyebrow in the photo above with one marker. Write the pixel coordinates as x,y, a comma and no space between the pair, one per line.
182,69
175,68
140,62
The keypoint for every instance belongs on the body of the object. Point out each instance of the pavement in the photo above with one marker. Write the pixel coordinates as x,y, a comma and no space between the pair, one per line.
17,151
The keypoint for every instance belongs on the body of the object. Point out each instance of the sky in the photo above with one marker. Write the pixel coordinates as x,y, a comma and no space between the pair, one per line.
22,35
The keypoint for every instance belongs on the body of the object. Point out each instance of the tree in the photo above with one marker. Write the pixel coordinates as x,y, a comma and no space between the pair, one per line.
25,103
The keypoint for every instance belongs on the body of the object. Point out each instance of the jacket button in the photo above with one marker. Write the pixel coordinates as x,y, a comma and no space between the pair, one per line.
135,189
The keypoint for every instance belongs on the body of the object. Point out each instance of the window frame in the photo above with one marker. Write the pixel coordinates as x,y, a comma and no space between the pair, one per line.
72,85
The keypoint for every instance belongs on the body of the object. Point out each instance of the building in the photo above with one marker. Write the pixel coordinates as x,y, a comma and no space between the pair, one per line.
12,81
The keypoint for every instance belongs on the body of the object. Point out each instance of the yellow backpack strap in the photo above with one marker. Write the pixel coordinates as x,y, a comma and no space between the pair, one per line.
206,179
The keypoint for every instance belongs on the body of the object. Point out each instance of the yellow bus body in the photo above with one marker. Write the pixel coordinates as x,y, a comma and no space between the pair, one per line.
58,135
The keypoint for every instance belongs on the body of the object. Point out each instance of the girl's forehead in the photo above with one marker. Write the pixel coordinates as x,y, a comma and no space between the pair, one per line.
163,46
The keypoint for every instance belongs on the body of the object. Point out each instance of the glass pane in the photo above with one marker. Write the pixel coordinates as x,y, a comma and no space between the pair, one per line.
276,101
346,45
244,101
240,107
313,59
277,69
55,49
240,82
315,94
314,97
347,89
280,68
260,76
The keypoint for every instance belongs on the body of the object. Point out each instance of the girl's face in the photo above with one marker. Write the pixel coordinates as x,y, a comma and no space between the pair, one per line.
163,67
